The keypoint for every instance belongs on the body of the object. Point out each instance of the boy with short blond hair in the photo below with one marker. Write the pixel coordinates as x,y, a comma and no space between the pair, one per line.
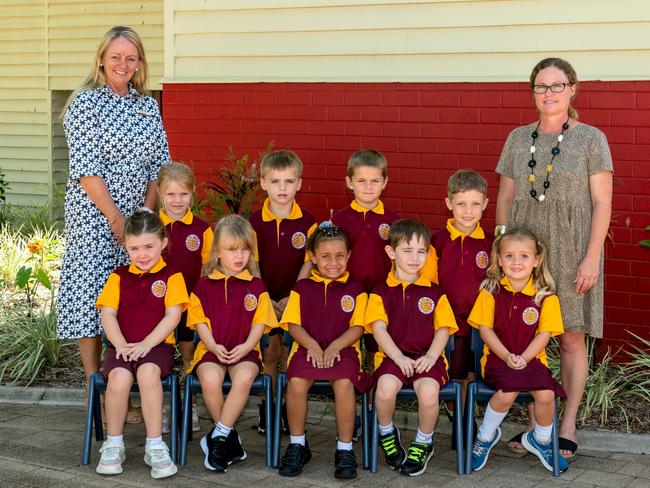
282,229
411,320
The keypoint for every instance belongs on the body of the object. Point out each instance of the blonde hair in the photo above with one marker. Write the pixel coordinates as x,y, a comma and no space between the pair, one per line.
563,66
177,173
370,158
466,179
279,160
96,78
233,231
542,278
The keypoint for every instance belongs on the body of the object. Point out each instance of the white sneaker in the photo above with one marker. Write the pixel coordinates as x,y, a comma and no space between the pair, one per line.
196,426
157,457
112,457
165,420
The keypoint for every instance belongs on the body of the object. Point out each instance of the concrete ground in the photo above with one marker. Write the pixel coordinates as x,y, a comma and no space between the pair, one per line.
41,447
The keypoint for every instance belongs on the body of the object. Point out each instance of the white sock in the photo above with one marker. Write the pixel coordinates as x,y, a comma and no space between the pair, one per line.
491,422
542,433
115,440
423,438
386,429
343,446
153,441
297,439
221,430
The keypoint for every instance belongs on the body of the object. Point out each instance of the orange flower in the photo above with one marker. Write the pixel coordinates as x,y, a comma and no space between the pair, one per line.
35,247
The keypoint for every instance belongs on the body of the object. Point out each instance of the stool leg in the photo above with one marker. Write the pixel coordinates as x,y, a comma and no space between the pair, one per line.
374,440
173,421
90,414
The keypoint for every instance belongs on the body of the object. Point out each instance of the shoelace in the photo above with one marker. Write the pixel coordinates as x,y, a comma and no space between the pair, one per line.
479,447
110,452
389,444
415,453
159,454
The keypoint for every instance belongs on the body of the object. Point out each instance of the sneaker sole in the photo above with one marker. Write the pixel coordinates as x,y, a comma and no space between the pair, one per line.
345,476
238,459
109,470
529,447
171,470
206,452
294,474
487,454
424,468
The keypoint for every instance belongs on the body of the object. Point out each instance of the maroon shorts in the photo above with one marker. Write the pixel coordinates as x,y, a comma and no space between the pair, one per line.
183,332
535,376
208,357
462,359
438,372
162,356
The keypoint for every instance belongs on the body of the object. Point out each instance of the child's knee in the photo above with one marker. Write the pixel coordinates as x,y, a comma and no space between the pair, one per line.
386,390
120,379
544,396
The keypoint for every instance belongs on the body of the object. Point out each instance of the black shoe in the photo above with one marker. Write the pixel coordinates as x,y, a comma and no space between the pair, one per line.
215,450
261,418
235,452
295,457
345,463
394,452
418,456
284,419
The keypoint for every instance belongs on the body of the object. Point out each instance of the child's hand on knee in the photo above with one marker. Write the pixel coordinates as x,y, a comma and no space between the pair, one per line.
423,364
237,353
315,356
138,350
331,355
406,364
124,351
221,352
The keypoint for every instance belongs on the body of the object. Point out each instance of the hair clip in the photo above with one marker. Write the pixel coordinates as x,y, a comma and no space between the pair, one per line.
325,224
145,209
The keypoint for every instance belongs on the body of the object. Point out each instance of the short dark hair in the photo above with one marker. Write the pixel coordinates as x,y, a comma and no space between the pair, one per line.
466,179
404,230
144,221
367,157
326,232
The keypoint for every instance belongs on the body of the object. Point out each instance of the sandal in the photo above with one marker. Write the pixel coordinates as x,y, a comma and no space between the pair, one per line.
133,417
568,445
512,444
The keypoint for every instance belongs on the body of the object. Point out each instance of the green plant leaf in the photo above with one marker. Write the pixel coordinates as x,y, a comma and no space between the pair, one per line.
43,279
645,242
22,276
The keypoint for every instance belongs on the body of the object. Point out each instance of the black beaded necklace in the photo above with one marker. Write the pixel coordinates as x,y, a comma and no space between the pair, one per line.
549,167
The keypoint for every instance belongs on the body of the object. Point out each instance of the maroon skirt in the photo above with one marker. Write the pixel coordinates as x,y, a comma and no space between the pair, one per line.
208,357
162,356
438,372
348,367
535,376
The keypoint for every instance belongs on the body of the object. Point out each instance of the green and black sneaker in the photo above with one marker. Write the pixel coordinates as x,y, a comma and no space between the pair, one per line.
392,446
416,462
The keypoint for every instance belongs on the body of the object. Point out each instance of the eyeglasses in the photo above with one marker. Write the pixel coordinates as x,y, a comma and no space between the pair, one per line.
555,88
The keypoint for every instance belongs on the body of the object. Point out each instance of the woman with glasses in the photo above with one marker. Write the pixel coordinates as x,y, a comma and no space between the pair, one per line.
556,178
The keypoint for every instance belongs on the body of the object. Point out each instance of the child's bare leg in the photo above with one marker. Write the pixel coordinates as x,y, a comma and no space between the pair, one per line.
242,376
151,398
518,446
543,406
385,397
211,376
427,391
120,381
272,355
296,398
345,406
187,353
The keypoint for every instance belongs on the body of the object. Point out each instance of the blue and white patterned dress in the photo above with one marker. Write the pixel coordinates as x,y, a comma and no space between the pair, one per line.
122,140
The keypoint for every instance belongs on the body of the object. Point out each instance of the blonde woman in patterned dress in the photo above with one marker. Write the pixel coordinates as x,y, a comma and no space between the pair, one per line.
117,145
556,178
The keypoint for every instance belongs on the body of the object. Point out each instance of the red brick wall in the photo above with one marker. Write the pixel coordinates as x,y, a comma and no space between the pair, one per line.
427,131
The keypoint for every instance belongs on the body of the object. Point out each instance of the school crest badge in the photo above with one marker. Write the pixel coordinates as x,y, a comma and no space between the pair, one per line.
426,305
347,303
530,315
250,302
158,288
384,230
192,242
482,259
298,240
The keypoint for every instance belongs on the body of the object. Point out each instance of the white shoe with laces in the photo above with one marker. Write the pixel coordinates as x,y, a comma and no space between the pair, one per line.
157,457
112,457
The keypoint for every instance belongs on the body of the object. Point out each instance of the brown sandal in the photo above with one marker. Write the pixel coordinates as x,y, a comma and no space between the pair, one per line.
517,439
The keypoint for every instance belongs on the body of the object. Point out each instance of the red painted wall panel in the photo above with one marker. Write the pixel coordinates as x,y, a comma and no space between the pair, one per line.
426,131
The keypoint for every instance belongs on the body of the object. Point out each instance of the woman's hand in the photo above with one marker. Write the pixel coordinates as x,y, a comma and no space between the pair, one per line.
118,226
423,364
587,274
315,356
405,364
331,354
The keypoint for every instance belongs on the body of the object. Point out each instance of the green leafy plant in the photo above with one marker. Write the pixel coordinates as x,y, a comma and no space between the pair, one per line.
645,242
36,270
235,186
4,186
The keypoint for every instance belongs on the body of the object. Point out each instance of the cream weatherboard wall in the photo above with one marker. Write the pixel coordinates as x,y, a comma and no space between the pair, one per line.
409,40
45,51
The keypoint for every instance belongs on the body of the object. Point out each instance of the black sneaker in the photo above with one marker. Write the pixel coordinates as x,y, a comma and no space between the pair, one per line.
345,463
418,456
295,457
261,418
284,419
215,450
234,451
394,452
